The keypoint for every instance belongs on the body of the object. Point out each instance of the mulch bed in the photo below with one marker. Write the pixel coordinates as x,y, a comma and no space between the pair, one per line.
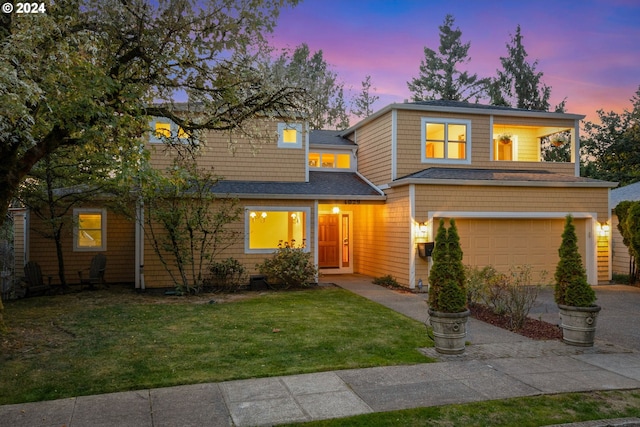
533,328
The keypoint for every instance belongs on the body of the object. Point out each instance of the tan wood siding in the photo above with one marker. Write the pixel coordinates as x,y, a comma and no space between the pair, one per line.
19,249
603,259
120,252
265,162
374,150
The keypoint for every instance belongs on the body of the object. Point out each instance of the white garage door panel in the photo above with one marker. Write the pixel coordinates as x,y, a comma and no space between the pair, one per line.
504,243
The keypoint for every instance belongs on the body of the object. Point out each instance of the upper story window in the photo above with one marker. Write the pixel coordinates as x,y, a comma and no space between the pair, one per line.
330,160
90,230
446,140
163,128
532,143
289,135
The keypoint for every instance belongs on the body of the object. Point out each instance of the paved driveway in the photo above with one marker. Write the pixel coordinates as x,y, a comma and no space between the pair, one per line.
619,320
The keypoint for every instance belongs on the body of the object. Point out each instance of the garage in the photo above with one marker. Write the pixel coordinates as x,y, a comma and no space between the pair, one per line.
506,242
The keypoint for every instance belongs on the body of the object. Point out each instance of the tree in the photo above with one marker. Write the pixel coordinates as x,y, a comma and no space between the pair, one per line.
571,287
518,84
363,102
188,225
440,76
629,226
94,72
323,92
611,149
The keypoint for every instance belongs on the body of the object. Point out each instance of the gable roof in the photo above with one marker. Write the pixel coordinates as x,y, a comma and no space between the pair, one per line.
629,192
321,186
511,177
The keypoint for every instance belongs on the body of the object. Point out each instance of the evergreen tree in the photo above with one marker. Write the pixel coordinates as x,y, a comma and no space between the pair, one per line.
363,103
440,76
626,229
571,286
446,277
518,83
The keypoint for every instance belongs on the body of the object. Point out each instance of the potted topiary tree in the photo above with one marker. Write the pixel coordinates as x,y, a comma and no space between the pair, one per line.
573,294
448,312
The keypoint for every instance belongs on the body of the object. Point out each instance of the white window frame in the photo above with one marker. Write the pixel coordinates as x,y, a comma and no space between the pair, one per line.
173,128
445,121
287,126
103,228
247,224
334,153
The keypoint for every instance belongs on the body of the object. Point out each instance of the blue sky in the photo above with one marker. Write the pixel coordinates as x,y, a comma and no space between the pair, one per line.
589,51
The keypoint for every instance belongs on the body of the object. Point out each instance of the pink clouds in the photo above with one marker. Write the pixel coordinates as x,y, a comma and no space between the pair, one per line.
588,51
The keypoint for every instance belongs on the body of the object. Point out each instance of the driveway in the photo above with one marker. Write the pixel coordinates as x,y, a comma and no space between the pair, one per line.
618,322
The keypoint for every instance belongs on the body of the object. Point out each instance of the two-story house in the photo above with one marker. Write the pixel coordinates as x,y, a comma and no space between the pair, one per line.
368,199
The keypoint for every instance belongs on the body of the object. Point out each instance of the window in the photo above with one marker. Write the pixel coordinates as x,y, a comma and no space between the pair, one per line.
446,141
90,230
162,128
289,135
330,160
266,227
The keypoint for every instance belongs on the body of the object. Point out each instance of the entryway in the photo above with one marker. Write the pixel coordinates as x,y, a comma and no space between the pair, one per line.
335,251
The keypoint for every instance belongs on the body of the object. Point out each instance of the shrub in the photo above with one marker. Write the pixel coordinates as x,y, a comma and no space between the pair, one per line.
476,282
387,281
571,286
447,293
289,266
227,275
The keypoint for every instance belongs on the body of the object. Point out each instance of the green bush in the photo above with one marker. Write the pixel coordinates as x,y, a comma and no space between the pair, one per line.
571,286
447,277
387,281
290,266
227,275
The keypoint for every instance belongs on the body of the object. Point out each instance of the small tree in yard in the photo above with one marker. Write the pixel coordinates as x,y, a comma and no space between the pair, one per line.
447,277
189,226
571,286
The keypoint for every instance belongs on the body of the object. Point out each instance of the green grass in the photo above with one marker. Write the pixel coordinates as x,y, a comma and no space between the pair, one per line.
99,342
517,412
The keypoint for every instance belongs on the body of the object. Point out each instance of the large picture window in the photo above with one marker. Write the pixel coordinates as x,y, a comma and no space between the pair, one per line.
90,230
446,141
267,227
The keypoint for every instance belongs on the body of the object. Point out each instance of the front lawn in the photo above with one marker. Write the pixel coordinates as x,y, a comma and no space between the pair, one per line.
113,340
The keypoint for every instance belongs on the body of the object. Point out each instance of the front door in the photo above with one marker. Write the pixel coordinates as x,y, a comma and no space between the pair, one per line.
329,241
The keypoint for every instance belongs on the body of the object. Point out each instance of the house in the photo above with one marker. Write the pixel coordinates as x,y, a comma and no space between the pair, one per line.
369,199
619,252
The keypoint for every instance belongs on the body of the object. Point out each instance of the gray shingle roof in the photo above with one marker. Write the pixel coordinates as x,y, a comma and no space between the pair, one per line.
321,185
499,175
328,137
629,192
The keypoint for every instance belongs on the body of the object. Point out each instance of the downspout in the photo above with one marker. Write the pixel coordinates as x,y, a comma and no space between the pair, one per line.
139,246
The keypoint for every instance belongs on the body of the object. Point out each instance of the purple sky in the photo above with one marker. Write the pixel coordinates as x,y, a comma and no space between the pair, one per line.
588,50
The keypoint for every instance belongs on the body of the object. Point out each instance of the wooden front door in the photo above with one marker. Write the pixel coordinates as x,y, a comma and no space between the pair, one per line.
329,241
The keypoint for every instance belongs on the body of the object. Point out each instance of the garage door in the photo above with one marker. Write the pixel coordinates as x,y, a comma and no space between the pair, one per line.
504,243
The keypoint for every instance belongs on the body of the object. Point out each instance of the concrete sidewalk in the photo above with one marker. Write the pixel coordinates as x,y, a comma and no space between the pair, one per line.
497,365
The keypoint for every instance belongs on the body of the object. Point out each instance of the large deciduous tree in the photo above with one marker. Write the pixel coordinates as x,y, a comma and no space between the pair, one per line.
89,72
611,148
440,75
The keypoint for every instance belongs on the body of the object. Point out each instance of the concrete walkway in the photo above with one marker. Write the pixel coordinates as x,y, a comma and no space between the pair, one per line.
498,364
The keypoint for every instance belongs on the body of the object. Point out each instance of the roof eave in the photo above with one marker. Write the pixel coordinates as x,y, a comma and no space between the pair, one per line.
495,183
305,196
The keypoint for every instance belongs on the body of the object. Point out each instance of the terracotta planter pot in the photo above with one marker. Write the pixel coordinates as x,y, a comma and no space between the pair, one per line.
449,331
578,324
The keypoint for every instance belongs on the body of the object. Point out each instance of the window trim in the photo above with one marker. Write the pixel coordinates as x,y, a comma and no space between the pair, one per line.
103,228
445,121
247,224
336,153
286,126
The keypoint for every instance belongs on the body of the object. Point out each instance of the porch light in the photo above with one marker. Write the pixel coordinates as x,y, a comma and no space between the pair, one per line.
335,210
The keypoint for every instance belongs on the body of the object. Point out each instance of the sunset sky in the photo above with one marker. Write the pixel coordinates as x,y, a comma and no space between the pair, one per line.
588,50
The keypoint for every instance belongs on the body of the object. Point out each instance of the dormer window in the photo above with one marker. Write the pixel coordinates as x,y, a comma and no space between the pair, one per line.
325,160
289,135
